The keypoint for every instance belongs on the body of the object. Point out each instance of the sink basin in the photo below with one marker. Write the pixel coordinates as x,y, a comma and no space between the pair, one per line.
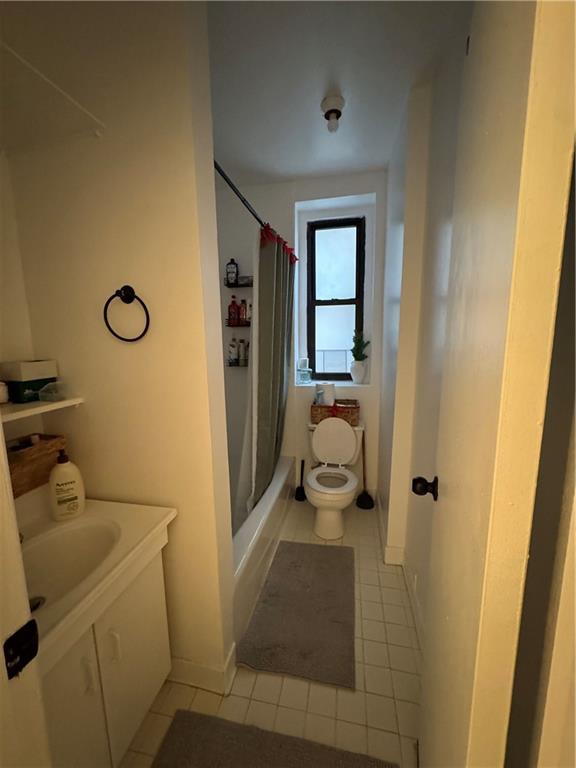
56,561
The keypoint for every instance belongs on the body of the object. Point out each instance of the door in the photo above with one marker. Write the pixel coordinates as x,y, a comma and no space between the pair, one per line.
512,174
23,739
75,709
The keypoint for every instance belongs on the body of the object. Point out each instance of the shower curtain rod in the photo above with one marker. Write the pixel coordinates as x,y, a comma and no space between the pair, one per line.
238,194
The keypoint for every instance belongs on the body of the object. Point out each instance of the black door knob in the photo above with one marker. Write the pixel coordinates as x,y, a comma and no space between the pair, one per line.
421,486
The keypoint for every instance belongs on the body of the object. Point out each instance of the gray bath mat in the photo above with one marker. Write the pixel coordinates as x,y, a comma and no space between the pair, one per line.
303,623
202,741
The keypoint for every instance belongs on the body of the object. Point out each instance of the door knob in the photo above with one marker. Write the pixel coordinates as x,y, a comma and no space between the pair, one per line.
421,486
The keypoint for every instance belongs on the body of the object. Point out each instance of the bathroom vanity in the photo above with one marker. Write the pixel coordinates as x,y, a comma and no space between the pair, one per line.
104,650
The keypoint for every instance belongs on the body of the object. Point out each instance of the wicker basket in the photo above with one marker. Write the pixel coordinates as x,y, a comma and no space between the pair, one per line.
31,461
343,408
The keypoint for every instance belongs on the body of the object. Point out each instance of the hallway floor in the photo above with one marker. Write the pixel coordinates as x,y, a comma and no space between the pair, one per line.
379,718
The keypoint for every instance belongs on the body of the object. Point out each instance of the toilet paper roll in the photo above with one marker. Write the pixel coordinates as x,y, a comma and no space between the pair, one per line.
329,394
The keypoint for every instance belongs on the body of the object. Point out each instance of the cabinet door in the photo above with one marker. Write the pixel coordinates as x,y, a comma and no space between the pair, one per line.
134,655
74,709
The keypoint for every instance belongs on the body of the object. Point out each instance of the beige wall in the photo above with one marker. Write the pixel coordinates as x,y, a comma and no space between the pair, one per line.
15,331
275,203
136,206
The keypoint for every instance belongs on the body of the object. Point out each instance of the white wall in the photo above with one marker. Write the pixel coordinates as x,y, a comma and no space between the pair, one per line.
136,206
238,239
391,317
275,204
410,260
430,331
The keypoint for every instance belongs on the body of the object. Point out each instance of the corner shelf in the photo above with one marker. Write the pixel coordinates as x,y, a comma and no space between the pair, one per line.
243,364
248,284
239,324
16,411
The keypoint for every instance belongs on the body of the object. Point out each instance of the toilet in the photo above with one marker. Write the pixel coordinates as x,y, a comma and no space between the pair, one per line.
332,487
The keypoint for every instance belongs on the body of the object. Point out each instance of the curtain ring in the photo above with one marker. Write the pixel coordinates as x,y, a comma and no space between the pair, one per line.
126,294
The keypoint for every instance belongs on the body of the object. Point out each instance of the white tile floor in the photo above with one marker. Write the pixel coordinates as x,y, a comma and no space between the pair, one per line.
379,718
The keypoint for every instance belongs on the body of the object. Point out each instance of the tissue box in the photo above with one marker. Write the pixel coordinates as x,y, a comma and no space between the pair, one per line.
28,370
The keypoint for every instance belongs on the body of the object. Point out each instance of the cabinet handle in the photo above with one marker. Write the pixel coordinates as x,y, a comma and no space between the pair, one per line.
116,646
89,677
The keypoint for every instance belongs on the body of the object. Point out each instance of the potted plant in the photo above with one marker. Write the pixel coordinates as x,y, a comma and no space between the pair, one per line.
357,368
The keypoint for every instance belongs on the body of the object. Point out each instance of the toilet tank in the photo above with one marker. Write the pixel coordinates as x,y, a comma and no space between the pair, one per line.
358,431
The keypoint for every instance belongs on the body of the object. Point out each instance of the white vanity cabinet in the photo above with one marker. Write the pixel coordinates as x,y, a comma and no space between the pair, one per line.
98,693
74,706
134,655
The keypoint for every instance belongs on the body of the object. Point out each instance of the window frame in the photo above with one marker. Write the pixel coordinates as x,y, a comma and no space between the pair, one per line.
359,223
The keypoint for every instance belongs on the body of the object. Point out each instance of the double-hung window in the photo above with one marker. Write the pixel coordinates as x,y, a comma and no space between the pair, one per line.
335,303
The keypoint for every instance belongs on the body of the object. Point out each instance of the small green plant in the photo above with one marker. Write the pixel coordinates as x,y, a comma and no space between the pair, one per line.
358,346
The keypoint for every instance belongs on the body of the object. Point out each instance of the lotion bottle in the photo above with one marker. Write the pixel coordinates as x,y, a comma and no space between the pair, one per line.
67,495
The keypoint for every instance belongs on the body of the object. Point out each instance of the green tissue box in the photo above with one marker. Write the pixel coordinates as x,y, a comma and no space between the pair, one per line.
27,391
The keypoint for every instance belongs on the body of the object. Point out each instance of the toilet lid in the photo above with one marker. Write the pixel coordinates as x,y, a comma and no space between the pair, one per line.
334,441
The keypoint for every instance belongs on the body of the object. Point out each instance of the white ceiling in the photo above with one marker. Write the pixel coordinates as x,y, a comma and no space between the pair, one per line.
273,62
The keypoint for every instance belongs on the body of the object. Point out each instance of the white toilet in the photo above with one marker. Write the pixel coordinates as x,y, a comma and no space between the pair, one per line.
331,487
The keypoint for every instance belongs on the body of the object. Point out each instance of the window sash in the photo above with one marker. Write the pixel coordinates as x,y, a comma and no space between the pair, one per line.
359,223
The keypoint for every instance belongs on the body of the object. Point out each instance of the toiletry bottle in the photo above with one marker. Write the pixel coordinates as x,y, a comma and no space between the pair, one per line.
67,496
233,353
232,273
243,311
233,312
241,352
249,313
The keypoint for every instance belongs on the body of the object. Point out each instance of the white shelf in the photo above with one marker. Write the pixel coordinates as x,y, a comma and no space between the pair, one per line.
13,411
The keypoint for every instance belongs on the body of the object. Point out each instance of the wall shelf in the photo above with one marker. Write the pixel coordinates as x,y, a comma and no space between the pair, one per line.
238,324
247,282
16,411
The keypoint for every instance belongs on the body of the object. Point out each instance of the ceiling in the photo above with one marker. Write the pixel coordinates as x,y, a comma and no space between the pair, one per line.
273,62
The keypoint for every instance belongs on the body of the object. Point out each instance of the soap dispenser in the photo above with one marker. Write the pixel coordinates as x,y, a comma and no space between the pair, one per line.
67,495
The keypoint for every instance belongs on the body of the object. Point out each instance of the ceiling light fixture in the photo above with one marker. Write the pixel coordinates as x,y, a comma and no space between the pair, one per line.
332,107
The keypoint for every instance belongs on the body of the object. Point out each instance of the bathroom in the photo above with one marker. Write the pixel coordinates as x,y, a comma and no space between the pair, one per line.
113,115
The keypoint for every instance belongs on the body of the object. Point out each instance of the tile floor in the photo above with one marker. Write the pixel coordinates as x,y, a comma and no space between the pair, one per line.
379,718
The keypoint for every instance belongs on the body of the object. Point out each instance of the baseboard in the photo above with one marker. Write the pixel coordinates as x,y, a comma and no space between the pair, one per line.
207,678
416,608
394,555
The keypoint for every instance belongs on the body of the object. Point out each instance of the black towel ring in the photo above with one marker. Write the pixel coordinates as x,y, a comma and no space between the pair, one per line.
127,294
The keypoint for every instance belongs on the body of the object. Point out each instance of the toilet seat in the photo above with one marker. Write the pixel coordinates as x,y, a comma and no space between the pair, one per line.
350,478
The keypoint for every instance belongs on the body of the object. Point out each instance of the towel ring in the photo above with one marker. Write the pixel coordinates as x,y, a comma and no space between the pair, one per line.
127,294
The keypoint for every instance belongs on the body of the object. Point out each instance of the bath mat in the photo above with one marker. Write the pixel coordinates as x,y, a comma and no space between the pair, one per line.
303,623
203,741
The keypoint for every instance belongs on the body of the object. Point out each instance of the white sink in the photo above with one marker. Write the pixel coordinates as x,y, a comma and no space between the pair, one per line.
81,566
58,560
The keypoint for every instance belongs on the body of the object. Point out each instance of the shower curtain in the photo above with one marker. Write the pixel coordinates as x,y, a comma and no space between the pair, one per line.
268,371
275,296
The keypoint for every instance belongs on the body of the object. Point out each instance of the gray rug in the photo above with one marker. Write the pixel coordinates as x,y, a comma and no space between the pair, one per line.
303,623
202,741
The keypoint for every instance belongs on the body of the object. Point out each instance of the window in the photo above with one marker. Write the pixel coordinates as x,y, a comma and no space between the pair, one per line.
335,290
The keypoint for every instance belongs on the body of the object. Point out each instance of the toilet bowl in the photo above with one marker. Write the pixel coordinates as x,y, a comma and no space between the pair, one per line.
332,487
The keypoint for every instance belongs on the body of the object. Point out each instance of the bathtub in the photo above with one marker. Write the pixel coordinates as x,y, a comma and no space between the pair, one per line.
256,540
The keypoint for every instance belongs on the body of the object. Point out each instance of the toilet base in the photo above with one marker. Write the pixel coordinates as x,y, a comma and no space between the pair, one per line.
329,524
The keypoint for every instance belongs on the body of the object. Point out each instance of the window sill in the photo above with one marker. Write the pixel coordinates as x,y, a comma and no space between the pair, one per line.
336,384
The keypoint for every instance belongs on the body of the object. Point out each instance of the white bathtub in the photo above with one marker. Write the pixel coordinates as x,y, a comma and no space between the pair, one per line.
256,540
